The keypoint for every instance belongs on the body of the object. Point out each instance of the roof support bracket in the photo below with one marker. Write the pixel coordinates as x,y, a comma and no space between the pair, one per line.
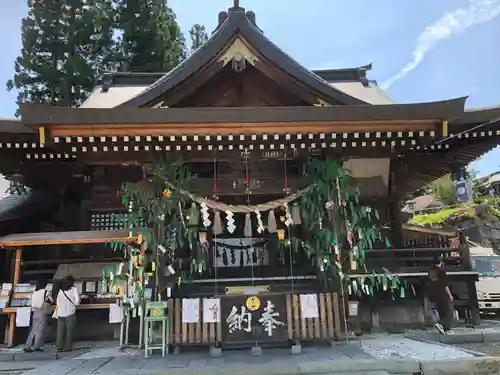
444,127
41,133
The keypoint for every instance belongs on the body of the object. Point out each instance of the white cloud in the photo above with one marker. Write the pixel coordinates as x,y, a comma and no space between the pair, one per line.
450,24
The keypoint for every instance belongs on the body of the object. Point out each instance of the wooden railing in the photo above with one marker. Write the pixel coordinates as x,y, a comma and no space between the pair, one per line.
417,259
421,237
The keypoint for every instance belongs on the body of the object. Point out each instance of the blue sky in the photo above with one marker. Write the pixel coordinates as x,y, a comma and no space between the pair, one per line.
421,50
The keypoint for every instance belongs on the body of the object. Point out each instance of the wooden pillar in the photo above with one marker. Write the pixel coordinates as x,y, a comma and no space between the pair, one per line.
473,303
15,281
397,224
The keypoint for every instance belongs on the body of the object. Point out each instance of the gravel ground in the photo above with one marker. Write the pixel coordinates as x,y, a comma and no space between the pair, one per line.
490,348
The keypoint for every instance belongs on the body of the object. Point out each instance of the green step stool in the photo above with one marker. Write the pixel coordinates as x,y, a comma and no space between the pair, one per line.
156,312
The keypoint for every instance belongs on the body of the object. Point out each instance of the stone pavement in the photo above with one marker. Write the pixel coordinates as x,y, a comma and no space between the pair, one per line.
113,361
487,331
372,355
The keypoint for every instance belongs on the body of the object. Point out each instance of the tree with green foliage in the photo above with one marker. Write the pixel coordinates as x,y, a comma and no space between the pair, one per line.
198,36
65,43
92,47
151,39
336,229
167,226
38,73
444,190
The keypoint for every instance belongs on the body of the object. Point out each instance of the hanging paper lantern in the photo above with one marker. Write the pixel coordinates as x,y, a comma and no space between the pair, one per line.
281,234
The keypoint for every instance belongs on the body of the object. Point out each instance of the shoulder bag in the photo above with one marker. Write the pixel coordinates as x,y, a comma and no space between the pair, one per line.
46,307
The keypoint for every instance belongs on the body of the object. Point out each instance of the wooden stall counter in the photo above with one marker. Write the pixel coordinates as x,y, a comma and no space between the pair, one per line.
18,241
89,306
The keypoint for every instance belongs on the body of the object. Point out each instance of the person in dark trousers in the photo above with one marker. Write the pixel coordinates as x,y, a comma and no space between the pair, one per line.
40,305
440,294
67,300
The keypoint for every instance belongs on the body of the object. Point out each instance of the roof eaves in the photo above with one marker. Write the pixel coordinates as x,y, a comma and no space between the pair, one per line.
479,115
14,126
43,114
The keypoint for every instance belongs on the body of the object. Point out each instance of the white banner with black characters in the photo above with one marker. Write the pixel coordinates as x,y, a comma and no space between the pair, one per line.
241,252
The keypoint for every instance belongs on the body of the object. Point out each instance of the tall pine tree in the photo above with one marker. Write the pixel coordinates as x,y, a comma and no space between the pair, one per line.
198,36
38,70
151,39
64,45
92,48
67,44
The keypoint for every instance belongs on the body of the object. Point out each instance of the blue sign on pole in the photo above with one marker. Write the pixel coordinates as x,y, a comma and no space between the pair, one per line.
463,190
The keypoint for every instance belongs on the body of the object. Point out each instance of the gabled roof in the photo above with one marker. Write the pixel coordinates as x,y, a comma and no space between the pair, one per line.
119,87
238,23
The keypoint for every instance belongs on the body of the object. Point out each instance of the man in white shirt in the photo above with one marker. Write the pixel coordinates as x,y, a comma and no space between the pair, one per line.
39,299
67,300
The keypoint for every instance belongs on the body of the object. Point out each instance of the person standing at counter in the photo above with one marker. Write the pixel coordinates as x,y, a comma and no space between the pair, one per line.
40,305
440,294
67,300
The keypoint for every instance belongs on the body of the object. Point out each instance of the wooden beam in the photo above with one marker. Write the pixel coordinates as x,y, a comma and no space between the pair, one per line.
63,238
244,128
120,157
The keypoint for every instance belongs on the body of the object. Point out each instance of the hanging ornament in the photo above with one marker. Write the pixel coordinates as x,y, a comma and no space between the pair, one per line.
230,222
288,216
217,223
296,214
271,222
205,215
350,237
194,215
286,189
281,234
260,225
181,215
167,194
247,231
329,205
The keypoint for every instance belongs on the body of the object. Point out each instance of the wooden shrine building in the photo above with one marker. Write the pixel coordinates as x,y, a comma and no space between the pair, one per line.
240,98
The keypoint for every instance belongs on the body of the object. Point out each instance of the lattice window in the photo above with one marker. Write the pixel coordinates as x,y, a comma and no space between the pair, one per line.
108,221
